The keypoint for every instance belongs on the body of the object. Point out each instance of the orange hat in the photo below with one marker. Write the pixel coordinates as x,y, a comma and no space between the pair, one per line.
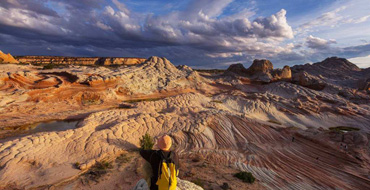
164,143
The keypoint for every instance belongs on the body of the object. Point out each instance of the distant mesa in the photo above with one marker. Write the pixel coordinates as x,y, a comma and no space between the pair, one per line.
7,58
60,60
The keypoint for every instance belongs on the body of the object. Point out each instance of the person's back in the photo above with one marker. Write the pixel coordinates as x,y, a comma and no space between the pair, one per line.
156,158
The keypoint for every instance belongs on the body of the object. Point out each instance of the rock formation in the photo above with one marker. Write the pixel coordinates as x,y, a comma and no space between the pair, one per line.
308,133
334,71
7,58
80,60
304,79
260,71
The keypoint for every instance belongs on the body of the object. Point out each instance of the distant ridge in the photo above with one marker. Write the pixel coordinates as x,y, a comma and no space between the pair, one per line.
64,60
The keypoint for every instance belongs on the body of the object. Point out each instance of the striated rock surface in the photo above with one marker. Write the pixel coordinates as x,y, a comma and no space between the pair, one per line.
308,133
76,87
7,58
198,126
80,60
335,71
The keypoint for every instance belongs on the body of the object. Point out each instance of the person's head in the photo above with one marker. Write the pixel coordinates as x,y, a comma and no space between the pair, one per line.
164,143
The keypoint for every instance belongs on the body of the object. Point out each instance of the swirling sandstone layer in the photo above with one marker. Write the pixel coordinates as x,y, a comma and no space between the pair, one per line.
197,126
279,130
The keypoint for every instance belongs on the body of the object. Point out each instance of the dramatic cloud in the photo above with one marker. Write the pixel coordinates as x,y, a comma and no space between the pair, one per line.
202,32
331,19
318,43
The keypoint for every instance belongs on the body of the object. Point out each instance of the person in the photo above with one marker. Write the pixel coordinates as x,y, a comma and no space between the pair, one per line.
156,158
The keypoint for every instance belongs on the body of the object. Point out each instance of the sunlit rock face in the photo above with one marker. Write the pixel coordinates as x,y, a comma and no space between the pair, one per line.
297,130
7,58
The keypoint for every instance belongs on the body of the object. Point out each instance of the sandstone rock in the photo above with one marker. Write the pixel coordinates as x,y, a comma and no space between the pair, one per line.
282,74
260,71
309,81
260,66
7,58
237,69
234,126
335,71
336,63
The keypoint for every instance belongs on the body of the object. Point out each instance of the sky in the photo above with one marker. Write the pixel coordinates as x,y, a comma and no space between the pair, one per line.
197,33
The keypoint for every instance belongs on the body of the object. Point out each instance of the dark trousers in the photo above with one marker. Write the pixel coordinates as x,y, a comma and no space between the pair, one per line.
153,185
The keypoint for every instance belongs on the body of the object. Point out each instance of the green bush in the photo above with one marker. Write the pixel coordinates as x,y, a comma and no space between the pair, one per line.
77,165
245,177
97,171
198,182
274,121
49,66
142,100
343,129
217,101
146,142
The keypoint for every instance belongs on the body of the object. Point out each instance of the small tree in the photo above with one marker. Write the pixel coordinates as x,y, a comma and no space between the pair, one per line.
146,142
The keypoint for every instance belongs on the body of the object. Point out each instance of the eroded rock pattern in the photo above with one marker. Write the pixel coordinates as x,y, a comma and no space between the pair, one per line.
196,125
279,131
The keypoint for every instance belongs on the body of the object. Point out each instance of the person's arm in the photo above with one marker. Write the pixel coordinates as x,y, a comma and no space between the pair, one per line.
146,154
177,163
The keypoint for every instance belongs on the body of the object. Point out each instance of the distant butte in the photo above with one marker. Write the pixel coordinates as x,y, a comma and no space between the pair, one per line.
61,60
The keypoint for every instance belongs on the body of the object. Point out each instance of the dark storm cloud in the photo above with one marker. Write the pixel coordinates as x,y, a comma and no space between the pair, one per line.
193,36
38,7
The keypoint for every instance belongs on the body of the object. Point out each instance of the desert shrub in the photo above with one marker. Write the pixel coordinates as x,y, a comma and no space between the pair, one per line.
343,129
77,165
123,158
274,121
49,66
146,142
198,182
245,177
225,186
142,100
98,170
90,99
217,101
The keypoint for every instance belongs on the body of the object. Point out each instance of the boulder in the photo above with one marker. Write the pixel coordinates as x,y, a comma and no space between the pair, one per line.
283,74
304,79
237,69
258,66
